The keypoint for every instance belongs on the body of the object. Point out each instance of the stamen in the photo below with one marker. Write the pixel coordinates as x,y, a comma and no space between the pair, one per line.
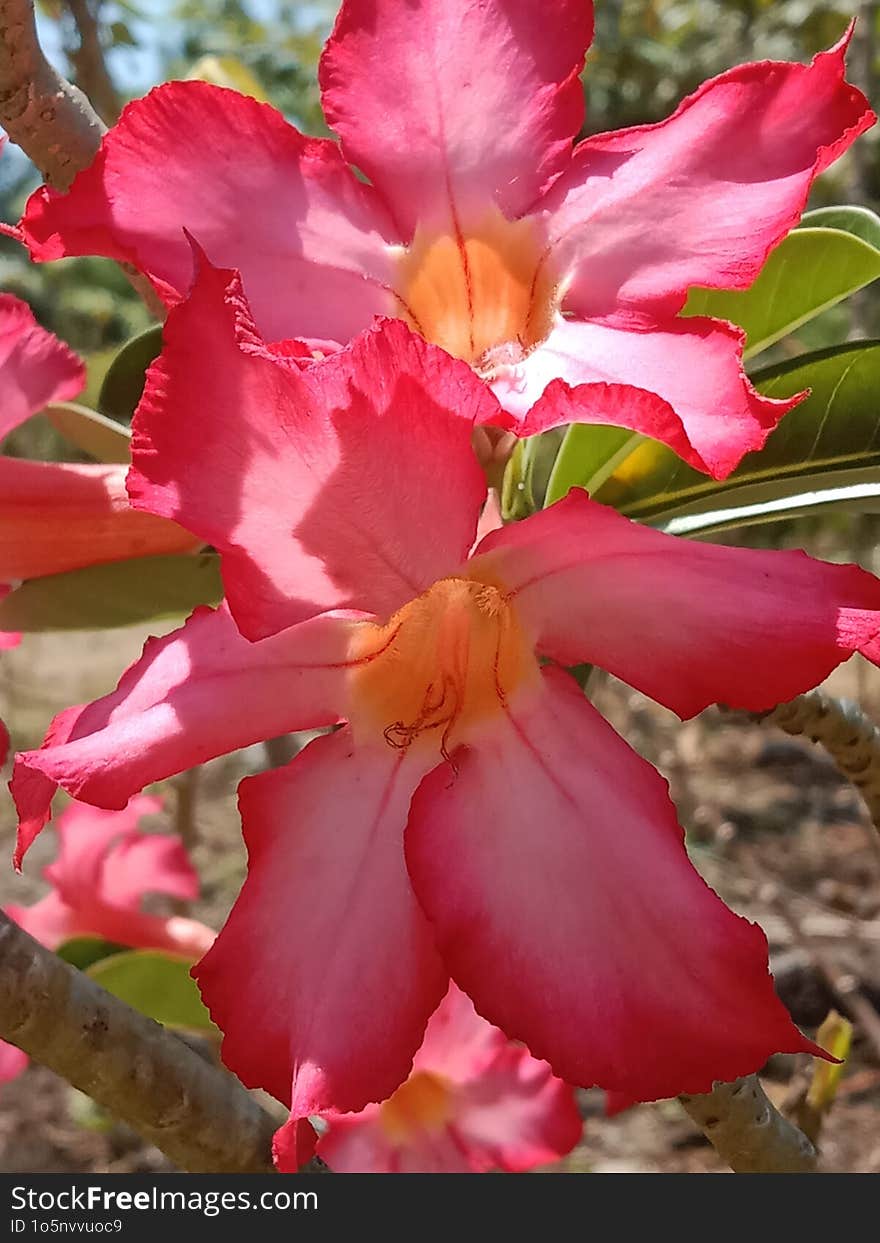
455,655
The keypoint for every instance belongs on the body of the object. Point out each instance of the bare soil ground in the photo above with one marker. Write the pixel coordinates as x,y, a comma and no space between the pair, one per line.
771,824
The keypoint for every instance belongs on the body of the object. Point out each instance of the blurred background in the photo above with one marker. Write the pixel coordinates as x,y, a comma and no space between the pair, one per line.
770,822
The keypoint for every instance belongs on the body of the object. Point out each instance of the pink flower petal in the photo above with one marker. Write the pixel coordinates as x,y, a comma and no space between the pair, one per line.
701,198
325,973
554,873
489,1105
359,1144
57,516
105,857
453,106
12,1062
268,463
517,1115
310,239
147,863
694,365
458,1044
87,837
200,692
35,367
51,921
688,623
10,639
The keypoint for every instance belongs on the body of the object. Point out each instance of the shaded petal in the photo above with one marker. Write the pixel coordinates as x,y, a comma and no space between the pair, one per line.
57,516
701,198
310,240
319,486
452,107
12,1062
516,1115
325,973
555,875
688,623
695,365
200,692
4,743
35,367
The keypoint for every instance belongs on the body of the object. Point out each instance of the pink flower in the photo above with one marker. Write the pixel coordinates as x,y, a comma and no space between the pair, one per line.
104,869
475,816
481,225
474,1102
57,516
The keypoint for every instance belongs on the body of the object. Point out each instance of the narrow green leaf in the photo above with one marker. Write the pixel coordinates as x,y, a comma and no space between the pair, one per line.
119,593
743,508
157,984
100,437
84,952
588,455
527,474
821,451
124,381
810,271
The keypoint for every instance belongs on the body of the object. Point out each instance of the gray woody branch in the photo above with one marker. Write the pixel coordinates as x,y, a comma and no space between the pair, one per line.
741,1123
51,120
196,1113
748,1131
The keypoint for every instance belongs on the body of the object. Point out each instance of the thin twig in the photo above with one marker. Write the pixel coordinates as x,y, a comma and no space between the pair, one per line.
847,734
88,61
748,1132
196,1113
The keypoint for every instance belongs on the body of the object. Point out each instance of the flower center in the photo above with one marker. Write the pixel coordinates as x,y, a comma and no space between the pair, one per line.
443,663
485,297
423,1103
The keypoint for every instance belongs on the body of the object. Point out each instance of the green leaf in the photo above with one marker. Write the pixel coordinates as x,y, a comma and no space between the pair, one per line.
589,454
527,473
157,984
230,72
825,452
119,593
856,220
84,952
810,271
124,381
100,437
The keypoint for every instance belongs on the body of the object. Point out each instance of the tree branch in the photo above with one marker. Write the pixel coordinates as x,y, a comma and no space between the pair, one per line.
847,734
748,1132
196,1113
51,120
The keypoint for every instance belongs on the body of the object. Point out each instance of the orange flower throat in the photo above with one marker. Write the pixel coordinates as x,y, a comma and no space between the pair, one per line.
444,663
485,297
423,1103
